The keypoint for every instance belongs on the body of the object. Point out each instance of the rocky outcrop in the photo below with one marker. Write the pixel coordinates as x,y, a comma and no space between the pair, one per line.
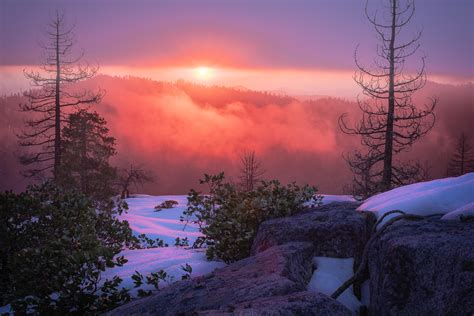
246,285
423,267
301,303
334,230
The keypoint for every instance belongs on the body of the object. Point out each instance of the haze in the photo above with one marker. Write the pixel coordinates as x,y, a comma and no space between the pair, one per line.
284,71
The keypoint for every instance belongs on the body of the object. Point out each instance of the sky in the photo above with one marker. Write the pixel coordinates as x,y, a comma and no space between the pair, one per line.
297,46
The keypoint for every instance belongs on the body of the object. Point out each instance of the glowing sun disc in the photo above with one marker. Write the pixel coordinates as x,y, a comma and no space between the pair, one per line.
203,73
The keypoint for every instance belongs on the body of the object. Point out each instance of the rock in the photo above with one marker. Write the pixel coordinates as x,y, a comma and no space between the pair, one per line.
423,267
335,230
278,271
301,303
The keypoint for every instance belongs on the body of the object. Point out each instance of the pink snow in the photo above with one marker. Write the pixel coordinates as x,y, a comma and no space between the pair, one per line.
440,196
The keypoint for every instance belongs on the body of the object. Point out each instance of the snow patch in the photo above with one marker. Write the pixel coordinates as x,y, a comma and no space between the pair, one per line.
424,198
329,275
329,198
6,309
466,210
164,224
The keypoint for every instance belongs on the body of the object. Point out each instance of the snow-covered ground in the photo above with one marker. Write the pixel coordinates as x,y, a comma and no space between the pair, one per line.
169,259
329,275
165,225
441,196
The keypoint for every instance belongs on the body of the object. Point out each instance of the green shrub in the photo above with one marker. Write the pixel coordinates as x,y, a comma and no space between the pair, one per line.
142,241
230,218
181,242
54,244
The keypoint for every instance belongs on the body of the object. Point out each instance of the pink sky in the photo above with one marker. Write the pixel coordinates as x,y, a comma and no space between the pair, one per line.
296,47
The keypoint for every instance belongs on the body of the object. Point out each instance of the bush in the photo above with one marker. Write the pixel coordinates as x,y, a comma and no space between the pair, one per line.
142,241
166,204
230,218
181,242
54,244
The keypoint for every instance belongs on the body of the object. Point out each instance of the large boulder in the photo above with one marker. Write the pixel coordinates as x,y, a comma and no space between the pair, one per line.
423,267
334,230
276,272
300,303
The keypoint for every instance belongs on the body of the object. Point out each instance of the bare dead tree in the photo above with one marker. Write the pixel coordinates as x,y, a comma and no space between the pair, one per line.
391,123
251,170
133,175
462,161
50,96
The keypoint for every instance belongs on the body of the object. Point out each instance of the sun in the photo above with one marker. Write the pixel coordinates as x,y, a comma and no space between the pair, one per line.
203,72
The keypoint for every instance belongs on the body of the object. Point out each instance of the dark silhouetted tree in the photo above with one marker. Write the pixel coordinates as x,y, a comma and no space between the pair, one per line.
133,175
50,95
391,123
251,170
86,150
462,161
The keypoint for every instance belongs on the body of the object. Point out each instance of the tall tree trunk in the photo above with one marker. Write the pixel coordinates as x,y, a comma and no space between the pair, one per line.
388,152
44,132
57,128
391,123
463,140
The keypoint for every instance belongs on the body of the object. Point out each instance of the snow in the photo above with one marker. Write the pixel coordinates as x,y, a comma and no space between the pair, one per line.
6,309
169,259
329,198
331,273
440,196
466,210
164,224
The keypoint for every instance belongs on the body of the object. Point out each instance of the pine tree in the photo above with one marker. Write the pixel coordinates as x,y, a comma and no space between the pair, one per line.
87,148
462,160
51,96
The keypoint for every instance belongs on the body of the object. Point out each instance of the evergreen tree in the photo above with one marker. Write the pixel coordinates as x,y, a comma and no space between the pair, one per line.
462,160
87,147
51,97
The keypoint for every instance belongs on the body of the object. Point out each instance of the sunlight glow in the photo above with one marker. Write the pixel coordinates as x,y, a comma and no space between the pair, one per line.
203,73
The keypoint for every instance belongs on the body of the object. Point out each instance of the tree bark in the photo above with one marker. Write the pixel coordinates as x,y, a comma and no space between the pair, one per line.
388,152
